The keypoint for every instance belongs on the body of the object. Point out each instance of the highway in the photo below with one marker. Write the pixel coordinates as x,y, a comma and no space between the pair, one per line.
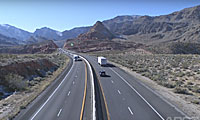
129,99
125,97
66,100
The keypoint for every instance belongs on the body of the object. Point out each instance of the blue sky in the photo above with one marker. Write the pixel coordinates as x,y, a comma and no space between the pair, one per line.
66,14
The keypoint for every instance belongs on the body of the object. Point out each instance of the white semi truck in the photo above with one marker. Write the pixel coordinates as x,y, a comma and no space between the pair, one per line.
102,61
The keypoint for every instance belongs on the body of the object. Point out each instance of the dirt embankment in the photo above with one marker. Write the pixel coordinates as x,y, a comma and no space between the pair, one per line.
34,73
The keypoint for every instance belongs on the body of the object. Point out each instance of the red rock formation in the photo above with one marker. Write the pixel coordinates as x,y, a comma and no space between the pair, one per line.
28,69
42,47
99,38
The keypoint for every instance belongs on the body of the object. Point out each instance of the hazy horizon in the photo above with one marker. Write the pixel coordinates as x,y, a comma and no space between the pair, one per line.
64,15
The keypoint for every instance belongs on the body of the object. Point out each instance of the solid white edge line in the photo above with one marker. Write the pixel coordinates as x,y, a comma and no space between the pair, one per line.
161,97
59,112
139,94
52,93
130,110
92,84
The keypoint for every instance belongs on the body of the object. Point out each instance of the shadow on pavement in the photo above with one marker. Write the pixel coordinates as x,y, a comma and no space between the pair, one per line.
108,65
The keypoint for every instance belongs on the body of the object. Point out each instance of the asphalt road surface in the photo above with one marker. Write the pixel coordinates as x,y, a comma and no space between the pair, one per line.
65,101
128,98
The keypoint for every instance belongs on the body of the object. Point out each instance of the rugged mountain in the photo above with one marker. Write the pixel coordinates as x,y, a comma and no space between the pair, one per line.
13,32
98,38
97,32
36,39
47,33
73,33
178,26
7,41
118,22
47,46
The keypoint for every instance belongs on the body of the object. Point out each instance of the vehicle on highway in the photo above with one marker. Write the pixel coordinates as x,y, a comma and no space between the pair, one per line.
76,58
102,61
102,73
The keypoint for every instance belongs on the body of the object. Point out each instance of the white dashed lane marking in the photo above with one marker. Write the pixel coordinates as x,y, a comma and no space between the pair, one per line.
119,92
68,93
130,110
59,113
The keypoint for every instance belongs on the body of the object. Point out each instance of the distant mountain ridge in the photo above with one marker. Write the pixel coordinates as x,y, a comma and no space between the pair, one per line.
13,32
97,32
48,33
6,41
98,38
73,33
180,26
17,36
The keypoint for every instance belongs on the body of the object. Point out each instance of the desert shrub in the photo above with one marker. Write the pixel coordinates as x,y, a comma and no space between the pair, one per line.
188,74
180,74
141,70
37,79
167,67
190,83
174,64
15,82
179,83
185,65
32,83
49,73
181,90
198,72
196,102
167,84
146,74
196,89
23,107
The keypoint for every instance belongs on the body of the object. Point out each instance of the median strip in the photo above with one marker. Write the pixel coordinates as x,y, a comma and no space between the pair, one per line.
92,89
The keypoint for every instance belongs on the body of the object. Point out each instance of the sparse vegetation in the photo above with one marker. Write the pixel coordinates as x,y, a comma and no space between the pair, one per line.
180,73
27,90
15,82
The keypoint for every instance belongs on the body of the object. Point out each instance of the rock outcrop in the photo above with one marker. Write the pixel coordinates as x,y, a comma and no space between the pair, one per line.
97,39
42,47
97,32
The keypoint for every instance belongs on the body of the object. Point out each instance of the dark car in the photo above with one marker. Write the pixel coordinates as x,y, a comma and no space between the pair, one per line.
102,73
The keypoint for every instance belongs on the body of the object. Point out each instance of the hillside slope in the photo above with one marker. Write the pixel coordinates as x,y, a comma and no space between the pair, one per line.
98,38
42,47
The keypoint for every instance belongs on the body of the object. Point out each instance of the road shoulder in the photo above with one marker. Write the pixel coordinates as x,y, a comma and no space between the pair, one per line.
43,96
165,93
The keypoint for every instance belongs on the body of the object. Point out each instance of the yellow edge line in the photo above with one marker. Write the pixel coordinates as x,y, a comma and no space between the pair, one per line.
104,98
84,96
